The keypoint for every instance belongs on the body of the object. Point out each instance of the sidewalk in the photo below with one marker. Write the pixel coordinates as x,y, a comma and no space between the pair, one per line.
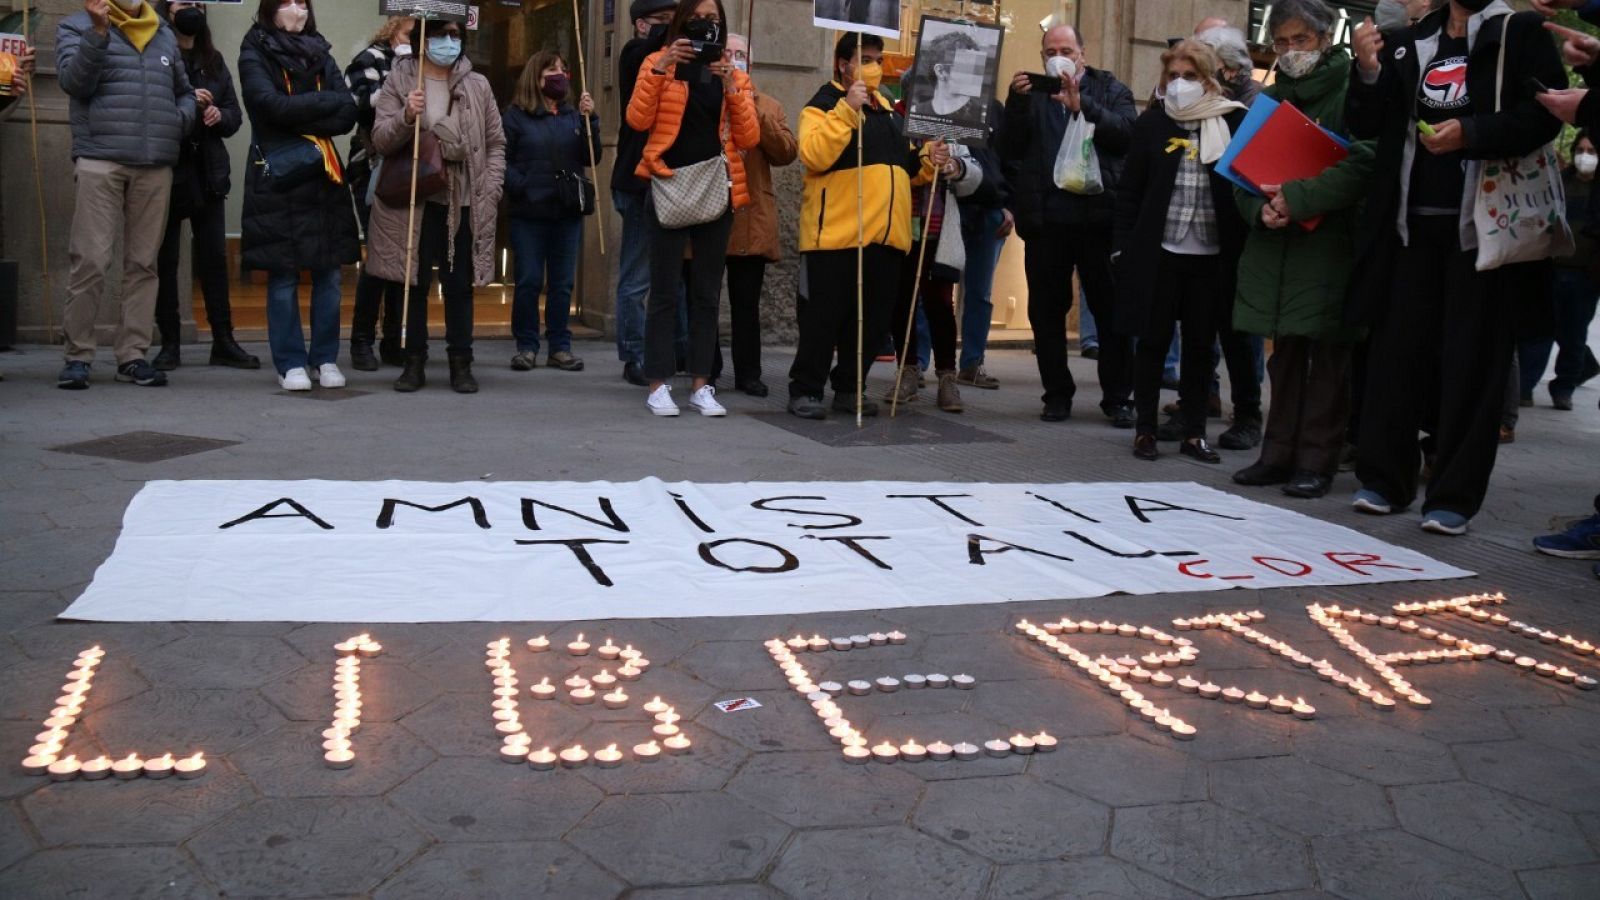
1494,792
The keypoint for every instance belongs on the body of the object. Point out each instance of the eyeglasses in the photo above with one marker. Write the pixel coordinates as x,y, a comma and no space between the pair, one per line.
1301,41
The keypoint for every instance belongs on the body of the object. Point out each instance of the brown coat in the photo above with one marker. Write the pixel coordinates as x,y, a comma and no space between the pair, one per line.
755,228
482,143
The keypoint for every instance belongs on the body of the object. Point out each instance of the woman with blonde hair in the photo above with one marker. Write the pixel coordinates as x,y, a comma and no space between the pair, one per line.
1177,239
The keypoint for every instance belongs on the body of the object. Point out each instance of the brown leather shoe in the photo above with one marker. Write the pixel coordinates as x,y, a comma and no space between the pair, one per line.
949,394
1144,447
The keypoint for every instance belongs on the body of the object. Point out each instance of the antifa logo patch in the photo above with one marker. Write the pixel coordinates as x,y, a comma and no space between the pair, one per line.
1444,86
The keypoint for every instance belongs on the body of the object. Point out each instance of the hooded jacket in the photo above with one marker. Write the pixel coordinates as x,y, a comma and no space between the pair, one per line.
126,106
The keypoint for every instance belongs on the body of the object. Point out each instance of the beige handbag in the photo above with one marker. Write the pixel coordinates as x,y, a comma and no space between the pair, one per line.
694,195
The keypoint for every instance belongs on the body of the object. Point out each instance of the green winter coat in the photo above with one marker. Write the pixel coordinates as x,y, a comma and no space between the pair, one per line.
1292,282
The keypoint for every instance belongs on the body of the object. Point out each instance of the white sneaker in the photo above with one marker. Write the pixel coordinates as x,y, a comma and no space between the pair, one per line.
660,402
330,376
295,379
705,400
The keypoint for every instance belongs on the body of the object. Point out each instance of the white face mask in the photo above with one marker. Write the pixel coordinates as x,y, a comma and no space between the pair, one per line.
1586,163
128,6
1391,15
292,18
402,50
1182,93
1060,67
1298,63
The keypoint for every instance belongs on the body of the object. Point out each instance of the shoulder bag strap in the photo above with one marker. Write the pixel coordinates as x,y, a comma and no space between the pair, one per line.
1500,66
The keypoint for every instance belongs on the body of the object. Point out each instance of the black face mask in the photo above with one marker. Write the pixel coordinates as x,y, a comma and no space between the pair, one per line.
656,36
188,22
1475,6
702,30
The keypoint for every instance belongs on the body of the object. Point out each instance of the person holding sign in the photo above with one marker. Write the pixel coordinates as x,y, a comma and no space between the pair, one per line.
16,69
200,185
131,108
1177,239
844,111
297,209
549,196
697,112
1292,281
1443,331
455,228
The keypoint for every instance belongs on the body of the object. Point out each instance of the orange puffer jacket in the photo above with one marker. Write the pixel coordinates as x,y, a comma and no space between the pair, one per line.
657,109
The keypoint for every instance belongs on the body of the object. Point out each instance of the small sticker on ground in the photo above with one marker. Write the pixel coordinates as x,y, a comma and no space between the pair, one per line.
738,705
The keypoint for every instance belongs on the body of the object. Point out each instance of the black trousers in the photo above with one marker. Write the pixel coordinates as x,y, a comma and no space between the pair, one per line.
373,294
828,317
937,299
455,281
1239,354
1049,258
709,242
209,224
745,275
1310,404
1186,291
1445,342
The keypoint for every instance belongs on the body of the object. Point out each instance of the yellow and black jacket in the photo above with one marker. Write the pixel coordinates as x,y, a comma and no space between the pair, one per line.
828,130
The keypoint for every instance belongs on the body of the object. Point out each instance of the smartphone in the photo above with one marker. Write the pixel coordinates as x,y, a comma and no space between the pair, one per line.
1534,85
1049,84
707,52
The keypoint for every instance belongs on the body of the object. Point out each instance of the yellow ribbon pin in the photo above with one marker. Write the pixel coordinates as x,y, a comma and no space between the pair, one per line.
1175,144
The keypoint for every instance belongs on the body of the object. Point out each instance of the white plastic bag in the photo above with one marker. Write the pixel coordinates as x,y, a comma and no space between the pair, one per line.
1077,164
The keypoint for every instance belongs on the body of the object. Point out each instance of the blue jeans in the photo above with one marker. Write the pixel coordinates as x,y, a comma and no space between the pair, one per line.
1088,331
633,275
283,319
547,262
979,234
1574,294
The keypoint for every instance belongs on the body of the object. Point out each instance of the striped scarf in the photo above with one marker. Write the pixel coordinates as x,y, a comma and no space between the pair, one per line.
1191,210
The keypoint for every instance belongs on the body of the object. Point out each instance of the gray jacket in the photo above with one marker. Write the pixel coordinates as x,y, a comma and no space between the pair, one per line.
127,107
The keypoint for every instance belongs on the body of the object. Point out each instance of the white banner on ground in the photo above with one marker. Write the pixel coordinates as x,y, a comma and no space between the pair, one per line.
395,551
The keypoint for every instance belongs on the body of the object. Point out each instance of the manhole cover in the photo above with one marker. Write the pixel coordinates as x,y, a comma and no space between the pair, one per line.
326,394
144,446
906,428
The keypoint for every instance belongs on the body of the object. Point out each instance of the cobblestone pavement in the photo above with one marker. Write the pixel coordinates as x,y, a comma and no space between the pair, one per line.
1494,792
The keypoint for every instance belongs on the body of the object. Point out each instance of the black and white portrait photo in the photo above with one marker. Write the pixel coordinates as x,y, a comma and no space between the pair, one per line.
948,91
879,17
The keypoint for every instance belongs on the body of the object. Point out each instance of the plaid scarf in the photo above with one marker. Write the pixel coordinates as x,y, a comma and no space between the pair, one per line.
1191,210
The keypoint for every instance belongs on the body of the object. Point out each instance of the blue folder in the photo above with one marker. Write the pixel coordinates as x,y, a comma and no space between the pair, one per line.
1259,112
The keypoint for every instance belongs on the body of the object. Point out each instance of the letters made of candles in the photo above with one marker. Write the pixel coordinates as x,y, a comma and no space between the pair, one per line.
1153,664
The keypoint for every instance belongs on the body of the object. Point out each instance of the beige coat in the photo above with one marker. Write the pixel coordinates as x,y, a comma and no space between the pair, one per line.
471,133
755,228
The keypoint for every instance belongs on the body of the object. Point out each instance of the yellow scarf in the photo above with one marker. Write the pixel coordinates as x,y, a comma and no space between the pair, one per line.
139,28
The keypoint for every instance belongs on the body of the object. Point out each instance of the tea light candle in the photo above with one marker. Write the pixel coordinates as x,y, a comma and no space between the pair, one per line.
885,752
1302,709
507,715
544,690
940,751
831,688
1382,703
540,644
1281,704
937,680
347,648
1043,743
840,644
669,717
1188,685
542,760
963,682
160,767
95,769
817,644
629,673
1209,691
574,756
1585,683
857,755
888,685
1255,700
997,747
605,679
581,696
1021,743
1232,695
64,769
646,752
656,706
1417,701
878,638
513,751
514,726
859,688
639,664
607,650
677,745
1182,730
579,647
897,637
911,751
369,649
129,767
339,759
665,729
609,758
966,752
797,644
575,682
914,682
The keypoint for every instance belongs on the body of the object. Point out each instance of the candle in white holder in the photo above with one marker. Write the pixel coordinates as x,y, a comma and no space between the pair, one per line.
605,679
936,680
128,767
607,650
1255,700
539,644
615,700
964,682
965,751
1303,710
1021,743
1232,695
64,769
911,751
939,751
581,696
885,752
579,647
95,769
542,760
817,644
859,688
160,767
647,752
574,756
608,758
857,755
914,682
665,729
1281,704
656,706
997,747
629,673
888,684
677,744
544,690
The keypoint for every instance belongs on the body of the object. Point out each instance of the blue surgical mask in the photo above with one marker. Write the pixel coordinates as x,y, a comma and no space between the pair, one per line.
444,50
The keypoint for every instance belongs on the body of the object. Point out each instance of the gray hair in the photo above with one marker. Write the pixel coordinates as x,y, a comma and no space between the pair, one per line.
1230,46
1314,13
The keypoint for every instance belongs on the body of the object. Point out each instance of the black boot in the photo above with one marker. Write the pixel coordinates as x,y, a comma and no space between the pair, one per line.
461,380
225,351
168,359
362,359
390,351
415,374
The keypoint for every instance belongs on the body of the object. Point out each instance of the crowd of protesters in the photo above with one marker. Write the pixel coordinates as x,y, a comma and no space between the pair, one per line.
1391,349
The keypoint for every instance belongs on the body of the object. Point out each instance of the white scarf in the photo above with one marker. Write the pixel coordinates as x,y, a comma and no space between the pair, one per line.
1214,133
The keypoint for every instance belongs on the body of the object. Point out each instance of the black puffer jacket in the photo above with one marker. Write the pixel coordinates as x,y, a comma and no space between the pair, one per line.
312,226
204,171
1034,127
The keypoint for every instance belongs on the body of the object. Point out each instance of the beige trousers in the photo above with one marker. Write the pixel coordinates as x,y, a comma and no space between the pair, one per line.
133,200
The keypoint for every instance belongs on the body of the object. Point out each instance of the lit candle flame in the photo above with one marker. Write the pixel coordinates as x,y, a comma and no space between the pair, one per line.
197,758
544,682
166,758
580,637
611,748
132,758
70,759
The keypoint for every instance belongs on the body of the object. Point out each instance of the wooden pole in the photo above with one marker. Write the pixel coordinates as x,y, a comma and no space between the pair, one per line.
861,243
588,129
916,291
411,209
38,189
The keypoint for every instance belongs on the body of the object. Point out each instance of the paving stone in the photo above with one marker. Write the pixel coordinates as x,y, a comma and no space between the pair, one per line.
61,642
28,691
463,724
1396,864
140,811
1376,752
1569,728
1046,704
709,892
1568,883
234,661
1122,770
131,873
710,763
679,839
888,862
732,666
538,869
388,691
1210,849
1532,771
19,735
1299,796
1093,878
288,762
821,790
1227,731
401,643
987,657
183,721
1457,721
480,799
1013,819
785,721
1494,826
14,840
1496,686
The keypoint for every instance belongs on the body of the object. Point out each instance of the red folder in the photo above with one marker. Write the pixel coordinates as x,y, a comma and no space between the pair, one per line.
1288,147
